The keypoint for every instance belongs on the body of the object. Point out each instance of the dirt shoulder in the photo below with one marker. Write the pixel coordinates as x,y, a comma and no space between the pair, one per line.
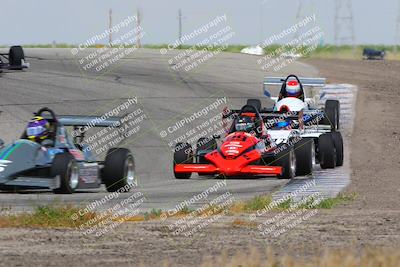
375,144
152,243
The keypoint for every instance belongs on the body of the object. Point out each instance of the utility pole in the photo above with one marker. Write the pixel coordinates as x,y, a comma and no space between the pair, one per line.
305,8
344,23
180,27
110,26
139,29
261,23
299,17
397,34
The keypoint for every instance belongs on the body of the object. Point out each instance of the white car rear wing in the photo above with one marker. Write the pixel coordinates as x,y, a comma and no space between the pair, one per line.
277,81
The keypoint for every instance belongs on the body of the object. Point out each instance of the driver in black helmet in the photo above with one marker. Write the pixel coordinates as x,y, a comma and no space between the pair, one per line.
245,124
249,125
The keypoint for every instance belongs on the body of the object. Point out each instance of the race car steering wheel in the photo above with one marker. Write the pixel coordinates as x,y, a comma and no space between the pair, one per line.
247,109
45,109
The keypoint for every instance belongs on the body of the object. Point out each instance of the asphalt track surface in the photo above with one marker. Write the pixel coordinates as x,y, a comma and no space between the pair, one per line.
56,80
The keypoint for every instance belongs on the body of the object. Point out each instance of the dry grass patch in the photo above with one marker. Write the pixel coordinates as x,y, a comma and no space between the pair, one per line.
47,216
61,216
243,223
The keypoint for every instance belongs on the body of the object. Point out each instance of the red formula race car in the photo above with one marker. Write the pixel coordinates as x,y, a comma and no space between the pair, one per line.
245,151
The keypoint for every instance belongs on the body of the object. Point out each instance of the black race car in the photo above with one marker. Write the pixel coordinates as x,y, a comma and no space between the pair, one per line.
61,162
369,53
14,59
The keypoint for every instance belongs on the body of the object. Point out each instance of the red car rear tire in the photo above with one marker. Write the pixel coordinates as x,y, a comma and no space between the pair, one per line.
183,155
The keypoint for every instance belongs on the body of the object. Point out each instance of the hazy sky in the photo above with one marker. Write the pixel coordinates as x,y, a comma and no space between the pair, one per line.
74,21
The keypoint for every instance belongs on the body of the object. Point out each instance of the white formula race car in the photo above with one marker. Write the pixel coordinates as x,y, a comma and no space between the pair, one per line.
318,139
288,103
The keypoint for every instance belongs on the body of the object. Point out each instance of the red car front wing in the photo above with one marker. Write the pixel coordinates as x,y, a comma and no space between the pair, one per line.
230,167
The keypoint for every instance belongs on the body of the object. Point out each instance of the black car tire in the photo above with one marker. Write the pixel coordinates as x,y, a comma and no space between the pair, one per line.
183,154
305,156
332,114
338,142
67,168
118,173
15,57
326,151
287,160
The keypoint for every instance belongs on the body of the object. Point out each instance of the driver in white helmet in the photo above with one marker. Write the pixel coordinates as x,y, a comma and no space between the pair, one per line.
292,89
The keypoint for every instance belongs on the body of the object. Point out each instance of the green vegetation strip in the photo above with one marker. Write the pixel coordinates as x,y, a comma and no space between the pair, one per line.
321,51
60,216
260,202
46,216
